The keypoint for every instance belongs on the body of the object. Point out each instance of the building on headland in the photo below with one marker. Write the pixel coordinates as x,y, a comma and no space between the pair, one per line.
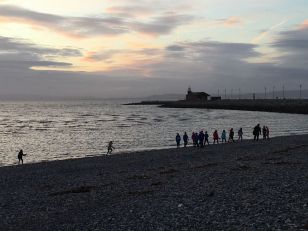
196,96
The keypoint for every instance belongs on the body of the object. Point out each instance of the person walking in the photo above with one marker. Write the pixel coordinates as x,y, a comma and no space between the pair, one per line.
256,132
197,139
206,138
110,147
264,132
20,155
185,139
215,137
231,135
240,134
267,132
193,138
224,136
178,140
201,139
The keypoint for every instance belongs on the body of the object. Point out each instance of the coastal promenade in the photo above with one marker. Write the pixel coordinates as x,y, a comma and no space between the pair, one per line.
240,186
268,105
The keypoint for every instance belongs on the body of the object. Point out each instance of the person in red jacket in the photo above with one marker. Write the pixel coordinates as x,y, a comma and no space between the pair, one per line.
215,137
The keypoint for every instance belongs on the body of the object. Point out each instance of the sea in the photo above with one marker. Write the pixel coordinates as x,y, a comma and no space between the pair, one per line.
56,130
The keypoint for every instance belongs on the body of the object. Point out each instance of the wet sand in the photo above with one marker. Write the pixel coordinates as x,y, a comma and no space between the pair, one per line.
240,186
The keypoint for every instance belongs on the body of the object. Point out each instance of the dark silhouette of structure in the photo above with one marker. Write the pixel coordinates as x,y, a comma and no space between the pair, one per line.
196,96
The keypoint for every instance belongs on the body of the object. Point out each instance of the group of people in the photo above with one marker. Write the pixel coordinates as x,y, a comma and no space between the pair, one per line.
202,138
198,139
257,132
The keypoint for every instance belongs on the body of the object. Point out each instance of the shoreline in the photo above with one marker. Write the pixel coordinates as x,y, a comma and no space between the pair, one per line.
242,186
144,150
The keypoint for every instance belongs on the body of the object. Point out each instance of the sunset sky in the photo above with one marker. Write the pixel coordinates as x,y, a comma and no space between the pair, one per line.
126,48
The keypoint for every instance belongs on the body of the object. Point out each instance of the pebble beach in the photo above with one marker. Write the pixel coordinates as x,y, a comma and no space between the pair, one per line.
236,186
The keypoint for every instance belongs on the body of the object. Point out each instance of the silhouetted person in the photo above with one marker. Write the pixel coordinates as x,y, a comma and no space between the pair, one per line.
224,136
264,132
194,140
267,132
110,147
201,139
197,139
215,137
178,140
256,132
231,135
240,134
20,155
185,139
206,138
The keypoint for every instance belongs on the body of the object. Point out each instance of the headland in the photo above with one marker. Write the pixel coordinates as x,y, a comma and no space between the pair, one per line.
297,106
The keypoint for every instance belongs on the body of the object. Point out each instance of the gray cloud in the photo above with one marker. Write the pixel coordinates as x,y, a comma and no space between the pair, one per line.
294,45
10,44
79,26
23,55
108,54
89,26
210,51
294,40
163,24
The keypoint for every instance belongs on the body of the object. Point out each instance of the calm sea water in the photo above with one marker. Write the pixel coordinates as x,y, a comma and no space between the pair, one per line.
72,129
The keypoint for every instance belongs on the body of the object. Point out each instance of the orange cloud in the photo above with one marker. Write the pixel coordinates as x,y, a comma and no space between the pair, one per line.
304,25
89,57
234,20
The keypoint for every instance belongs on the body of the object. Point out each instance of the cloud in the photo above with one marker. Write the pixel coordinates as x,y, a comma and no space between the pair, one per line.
205,65
21,54
294,46
74,26
163,24
130,11
210,50
81,27
10,44
106,55
231,21
304,25
266,32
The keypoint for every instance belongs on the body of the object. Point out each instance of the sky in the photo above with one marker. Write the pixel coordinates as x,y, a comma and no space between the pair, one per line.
128,48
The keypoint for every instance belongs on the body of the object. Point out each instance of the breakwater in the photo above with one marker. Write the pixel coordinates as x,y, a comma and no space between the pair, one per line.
298,106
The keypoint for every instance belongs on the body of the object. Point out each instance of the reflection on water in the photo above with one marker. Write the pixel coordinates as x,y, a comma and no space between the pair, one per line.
61,130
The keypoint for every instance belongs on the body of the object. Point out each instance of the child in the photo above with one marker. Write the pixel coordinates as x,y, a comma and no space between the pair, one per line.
20,155
110,147
267,132
224,136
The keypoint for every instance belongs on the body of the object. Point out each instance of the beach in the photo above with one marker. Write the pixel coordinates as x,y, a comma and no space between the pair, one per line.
236,186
